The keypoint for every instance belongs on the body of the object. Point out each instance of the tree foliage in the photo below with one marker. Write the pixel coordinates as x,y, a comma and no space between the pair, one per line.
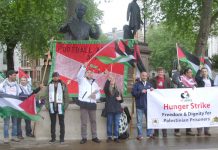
187,17
34,23
162,43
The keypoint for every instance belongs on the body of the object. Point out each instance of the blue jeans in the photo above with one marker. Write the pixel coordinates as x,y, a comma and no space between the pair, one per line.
6,127
139,117
113,123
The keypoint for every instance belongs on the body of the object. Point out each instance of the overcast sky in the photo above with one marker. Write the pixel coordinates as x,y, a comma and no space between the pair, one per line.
114,14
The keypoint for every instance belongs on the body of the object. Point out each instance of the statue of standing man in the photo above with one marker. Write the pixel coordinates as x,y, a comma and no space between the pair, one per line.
77,29
134,16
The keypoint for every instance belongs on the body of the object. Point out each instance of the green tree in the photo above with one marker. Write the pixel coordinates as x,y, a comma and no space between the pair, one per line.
162,43
34,23
189,18
31,22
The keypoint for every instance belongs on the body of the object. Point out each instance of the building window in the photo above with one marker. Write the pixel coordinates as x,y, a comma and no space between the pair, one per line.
24,61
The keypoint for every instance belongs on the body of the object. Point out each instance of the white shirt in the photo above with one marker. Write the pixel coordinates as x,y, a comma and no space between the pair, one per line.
207,82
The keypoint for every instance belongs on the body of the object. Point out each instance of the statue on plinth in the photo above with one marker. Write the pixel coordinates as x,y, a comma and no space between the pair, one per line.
134,16
77,29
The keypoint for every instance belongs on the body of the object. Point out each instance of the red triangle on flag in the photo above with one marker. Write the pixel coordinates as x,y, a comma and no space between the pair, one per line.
121,46
29,105
180,53
22,73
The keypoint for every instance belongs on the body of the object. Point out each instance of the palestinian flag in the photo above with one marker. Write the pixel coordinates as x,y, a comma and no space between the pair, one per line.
21,73
2,77
120,59
12,106
208,65
139,63
192,60
123,50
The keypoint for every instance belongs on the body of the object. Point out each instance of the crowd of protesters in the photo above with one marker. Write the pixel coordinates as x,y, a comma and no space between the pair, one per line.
57,101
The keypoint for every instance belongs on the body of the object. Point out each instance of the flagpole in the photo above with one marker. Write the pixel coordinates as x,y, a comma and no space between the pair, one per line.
178,67
133,99
100,51
43,78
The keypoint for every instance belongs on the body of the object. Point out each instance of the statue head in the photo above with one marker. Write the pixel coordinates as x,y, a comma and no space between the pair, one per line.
80,10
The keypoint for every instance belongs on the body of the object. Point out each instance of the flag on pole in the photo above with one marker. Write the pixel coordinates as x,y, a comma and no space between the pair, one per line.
2,77
193,61
13,106
120,59
21,73
190,59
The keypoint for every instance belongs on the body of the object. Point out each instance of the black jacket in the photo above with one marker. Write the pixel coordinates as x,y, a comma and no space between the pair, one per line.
112,105
200,81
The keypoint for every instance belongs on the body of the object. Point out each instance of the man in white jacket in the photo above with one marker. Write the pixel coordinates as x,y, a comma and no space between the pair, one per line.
89,93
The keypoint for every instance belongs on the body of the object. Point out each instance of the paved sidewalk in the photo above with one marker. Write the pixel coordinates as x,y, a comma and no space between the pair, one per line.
170,143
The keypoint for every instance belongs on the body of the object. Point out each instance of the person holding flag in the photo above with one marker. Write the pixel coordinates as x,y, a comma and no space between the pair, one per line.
113,108
89,93
10,86
26,89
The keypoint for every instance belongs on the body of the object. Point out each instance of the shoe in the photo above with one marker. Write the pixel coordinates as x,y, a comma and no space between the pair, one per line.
20,137
139,138
207,134
61,141
190,133
178,134
199,134
164,134
52,141
96,140
109,140
151,136
116,140
15,140
30,135
6,141
156,133
83,141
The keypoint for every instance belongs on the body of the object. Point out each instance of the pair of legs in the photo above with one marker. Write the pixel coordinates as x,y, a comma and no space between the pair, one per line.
206,131
6,127
53,118
139,115
27,127
84,114
188,132
164,132
113,125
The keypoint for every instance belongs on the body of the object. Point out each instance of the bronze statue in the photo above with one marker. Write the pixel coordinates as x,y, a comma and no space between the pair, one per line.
77,29
127,33
134,16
